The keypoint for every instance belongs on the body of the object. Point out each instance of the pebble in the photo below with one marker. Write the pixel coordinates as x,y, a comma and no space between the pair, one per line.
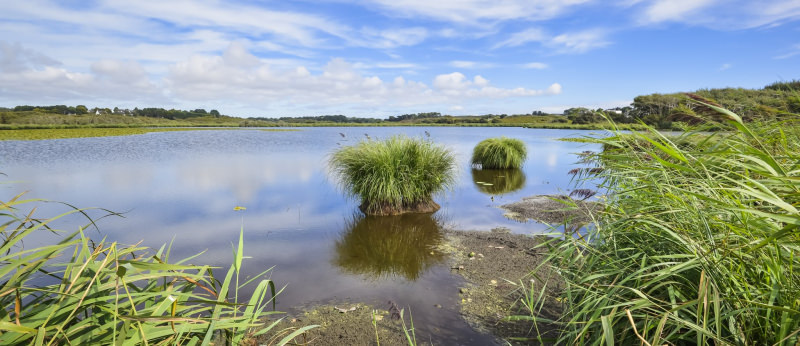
493,282
439,306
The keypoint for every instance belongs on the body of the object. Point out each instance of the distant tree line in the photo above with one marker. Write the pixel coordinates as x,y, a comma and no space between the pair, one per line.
414,116
144,112
319,119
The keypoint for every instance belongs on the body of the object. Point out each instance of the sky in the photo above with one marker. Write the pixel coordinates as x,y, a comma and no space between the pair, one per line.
376,58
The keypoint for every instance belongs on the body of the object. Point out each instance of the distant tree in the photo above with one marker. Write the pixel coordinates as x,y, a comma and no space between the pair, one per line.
81,109
200,111
214,112
582,115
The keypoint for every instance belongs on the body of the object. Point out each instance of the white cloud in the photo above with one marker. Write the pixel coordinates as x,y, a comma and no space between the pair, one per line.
28,75
725,67
476,11
535,65
673,10
339,84
15,58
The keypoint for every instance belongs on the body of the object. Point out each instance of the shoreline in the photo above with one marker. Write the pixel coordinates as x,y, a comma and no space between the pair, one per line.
495,267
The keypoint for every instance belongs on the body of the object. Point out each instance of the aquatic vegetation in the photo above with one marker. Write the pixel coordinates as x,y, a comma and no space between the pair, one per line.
698,244
499,153
86,292
394,176
498,181
384,246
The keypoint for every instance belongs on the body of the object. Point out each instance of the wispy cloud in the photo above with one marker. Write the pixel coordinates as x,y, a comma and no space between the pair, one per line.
566,43
523,37
464,64
725,67
476,12
535,65
724,15
671,10
792,51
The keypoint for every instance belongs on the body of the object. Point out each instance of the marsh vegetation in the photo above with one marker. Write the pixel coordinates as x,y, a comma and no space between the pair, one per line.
698,242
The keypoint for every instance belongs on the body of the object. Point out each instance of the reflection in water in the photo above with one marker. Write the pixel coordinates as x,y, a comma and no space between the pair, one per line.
498,181
386,246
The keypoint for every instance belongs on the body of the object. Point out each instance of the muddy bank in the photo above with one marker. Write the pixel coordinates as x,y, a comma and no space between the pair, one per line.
496,266
499,267
552,209
345,324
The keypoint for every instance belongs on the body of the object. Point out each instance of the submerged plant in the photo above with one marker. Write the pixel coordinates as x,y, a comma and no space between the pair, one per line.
499,153
698,244
394,176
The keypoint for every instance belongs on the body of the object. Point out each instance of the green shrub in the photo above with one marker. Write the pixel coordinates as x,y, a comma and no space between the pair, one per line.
395,175
499,153
698,244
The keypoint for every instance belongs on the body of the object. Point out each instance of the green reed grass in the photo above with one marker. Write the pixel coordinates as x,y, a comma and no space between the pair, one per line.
698,244
396,175
81,292
499,153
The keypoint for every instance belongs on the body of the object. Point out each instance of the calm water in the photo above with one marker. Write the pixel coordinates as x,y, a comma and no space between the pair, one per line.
183,186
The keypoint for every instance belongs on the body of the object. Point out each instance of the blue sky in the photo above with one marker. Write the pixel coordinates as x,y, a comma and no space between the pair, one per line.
387,57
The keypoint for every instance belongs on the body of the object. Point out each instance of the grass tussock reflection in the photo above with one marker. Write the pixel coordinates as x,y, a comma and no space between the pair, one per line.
388,246
498,181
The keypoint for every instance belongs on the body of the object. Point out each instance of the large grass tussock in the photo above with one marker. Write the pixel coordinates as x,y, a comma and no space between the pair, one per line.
394,176
499,153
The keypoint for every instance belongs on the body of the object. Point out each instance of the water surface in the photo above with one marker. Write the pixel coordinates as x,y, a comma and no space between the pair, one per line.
182,187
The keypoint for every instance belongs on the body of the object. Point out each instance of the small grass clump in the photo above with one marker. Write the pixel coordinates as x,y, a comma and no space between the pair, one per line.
394,176
499,153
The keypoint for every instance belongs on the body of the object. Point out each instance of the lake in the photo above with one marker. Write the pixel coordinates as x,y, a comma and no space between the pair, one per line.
182,187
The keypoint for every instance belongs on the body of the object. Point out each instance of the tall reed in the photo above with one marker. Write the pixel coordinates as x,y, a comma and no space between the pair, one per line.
698,243
394,176
81,292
